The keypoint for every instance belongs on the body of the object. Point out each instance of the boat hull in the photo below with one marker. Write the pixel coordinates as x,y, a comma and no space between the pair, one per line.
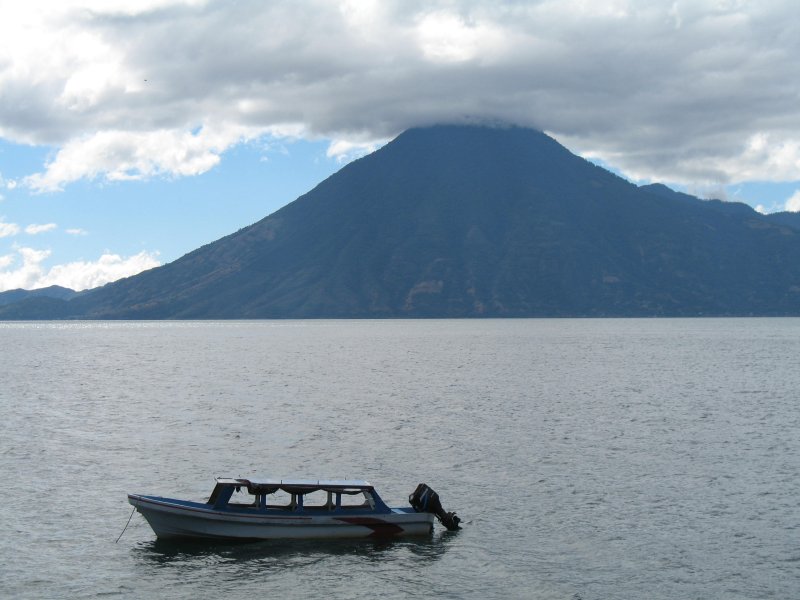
173,519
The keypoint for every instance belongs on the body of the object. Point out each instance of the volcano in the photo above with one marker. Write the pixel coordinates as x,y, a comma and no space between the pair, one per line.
470,221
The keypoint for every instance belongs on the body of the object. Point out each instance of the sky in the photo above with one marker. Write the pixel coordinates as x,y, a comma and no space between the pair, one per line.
133,132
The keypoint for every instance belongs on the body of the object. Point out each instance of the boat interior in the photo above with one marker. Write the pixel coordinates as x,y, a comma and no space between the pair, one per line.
238,496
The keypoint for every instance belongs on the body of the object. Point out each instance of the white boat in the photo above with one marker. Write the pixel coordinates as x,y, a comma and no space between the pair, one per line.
291,509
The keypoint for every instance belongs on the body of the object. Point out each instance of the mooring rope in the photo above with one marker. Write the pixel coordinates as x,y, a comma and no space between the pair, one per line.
126,524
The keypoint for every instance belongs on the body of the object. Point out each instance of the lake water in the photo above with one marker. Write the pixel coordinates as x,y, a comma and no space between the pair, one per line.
588,459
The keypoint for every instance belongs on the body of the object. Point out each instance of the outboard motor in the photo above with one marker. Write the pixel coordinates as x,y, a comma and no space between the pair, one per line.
424,499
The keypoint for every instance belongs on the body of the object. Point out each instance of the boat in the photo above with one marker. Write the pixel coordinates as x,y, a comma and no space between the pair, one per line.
291,509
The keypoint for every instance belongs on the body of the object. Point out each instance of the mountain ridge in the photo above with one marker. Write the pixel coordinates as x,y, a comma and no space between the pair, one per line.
54,291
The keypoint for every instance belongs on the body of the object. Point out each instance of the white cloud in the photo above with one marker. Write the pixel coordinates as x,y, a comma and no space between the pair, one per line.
8,229
30,273
34,229
76,231
447,37
125,155
109,267
793,203
346,150
8,184
26,274
698,93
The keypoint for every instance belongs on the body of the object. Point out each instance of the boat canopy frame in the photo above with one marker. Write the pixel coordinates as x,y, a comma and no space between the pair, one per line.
297,488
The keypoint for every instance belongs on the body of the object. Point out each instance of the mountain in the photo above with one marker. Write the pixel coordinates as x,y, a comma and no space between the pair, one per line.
469,221
54,291
788,219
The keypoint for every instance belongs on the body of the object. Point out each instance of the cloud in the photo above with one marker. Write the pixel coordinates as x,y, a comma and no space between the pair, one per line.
25,275
76,231
30,273
122,155
8,229
701,93
793,203
37,229
346,150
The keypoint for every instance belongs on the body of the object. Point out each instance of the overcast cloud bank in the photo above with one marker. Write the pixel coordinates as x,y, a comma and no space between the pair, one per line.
700,93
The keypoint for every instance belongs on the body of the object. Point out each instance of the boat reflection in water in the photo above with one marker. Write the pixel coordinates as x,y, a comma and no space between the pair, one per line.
295,553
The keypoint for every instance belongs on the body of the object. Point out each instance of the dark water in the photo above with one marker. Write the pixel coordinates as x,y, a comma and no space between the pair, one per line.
589,459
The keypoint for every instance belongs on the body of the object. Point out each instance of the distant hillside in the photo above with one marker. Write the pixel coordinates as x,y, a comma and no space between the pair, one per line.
788,219
54,291
457,221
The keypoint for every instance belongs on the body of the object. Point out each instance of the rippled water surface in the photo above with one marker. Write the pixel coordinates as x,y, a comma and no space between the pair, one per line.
589,459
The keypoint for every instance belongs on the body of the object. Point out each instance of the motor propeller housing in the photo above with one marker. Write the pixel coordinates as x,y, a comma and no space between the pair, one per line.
424,499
